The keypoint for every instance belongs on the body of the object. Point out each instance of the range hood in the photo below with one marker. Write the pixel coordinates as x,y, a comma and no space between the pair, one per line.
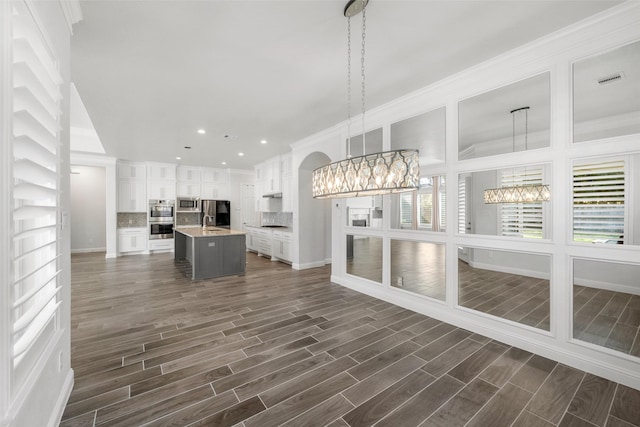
277,195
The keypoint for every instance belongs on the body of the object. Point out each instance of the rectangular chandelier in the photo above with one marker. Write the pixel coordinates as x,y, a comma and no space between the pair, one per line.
369,175
518,194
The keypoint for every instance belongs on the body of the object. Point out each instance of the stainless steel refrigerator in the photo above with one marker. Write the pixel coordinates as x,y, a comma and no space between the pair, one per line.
216,213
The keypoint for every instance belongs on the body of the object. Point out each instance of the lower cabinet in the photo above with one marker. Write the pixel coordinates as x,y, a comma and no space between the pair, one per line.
252,239
161,245
132,239
281,246
264,242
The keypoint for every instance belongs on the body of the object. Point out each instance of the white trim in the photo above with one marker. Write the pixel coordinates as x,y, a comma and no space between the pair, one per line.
72,12
63,398
88,250
307,265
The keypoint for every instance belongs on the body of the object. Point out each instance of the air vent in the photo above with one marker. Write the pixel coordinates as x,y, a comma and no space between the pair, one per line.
610,78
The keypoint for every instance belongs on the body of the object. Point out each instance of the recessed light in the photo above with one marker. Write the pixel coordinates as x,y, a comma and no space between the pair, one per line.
202,131
264,141
224,163
241,154
178,158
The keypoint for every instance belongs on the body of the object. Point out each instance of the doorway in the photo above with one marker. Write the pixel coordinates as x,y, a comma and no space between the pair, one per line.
88,209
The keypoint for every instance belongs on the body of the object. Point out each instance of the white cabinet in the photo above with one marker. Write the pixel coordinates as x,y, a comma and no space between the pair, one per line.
132,196
286,183
161,181
130,170
162,190
132,187
252,239
164,171
215,184
264,241
281,245
189,174
132,239
188,189
161,245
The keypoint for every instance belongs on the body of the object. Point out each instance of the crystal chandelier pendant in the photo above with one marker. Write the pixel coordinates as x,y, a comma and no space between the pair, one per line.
371,174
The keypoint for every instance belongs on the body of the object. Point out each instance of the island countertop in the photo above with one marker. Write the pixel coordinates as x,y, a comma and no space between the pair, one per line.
198,231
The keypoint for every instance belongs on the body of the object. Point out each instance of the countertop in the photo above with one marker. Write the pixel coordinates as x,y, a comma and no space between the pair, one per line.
284,228
208,232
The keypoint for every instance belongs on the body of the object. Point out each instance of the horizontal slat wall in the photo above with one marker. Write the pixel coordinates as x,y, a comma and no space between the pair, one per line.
36,253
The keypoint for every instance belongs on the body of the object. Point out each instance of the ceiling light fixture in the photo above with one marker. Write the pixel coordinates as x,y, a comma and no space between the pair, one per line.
527,193
264,141
202,131
178,158
240,154
223,163
370,174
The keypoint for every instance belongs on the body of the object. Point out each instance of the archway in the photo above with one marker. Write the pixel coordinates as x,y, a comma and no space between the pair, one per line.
314,215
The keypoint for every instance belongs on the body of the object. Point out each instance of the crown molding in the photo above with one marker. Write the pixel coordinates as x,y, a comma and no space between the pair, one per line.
72,12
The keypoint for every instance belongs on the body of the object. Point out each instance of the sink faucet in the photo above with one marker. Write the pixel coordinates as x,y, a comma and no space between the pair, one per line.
204,220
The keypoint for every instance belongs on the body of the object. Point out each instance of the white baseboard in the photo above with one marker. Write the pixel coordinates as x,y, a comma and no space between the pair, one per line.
307,265
63,398
87,250
607,286
510,270
111,255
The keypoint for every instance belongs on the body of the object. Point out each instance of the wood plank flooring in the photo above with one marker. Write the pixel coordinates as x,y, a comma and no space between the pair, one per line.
284,347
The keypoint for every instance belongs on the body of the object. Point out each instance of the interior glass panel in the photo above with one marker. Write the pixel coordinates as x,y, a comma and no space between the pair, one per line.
364,257
606,94
423,210
418,267
605,202
425,132
364,211
519,220
487,126
606,304
510,285
372,142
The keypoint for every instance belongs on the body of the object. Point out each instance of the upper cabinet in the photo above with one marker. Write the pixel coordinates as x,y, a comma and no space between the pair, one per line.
164,171
189,174
215,184
274,176
161,183
132,187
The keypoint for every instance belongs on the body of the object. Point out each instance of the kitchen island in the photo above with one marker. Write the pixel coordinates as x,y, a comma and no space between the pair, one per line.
211,252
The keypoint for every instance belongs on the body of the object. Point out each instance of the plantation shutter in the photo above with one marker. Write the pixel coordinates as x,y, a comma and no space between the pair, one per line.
462,202
406,206
36,252
442,204
521,219
598,202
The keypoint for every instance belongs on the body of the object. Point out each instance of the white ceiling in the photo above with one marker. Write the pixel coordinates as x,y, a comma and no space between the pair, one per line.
151,73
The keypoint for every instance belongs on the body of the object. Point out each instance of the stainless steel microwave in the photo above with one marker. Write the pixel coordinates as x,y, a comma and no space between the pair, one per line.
188,204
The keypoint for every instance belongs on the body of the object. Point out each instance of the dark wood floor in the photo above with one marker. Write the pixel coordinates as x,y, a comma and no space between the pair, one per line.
285,347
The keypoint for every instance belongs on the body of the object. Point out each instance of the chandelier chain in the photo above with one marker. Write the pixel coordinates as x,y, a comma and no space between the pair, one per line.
348,87
364,28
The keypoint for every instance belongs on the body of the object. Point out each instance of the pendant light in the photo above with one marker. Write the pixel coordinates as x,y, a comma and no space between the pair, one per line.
527,193
370,174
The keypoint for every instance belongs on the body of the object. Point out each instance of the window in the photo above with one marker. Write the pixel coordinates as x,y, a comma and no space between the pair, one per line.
430,206
599,201
522,219
36,252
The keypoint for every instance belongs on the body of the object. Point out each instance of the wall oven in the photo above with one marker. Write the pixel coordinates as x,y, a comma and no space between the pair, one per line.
161,214
188,204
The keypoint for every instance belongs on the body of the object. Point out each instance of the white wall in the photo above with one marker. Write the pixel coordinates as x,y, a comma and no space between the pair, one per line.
555,54
88,209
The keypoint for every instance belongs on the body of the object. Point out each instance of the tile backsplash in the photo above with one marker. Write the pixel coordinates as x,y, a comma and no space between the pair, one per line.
128,220
188,218
277,218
